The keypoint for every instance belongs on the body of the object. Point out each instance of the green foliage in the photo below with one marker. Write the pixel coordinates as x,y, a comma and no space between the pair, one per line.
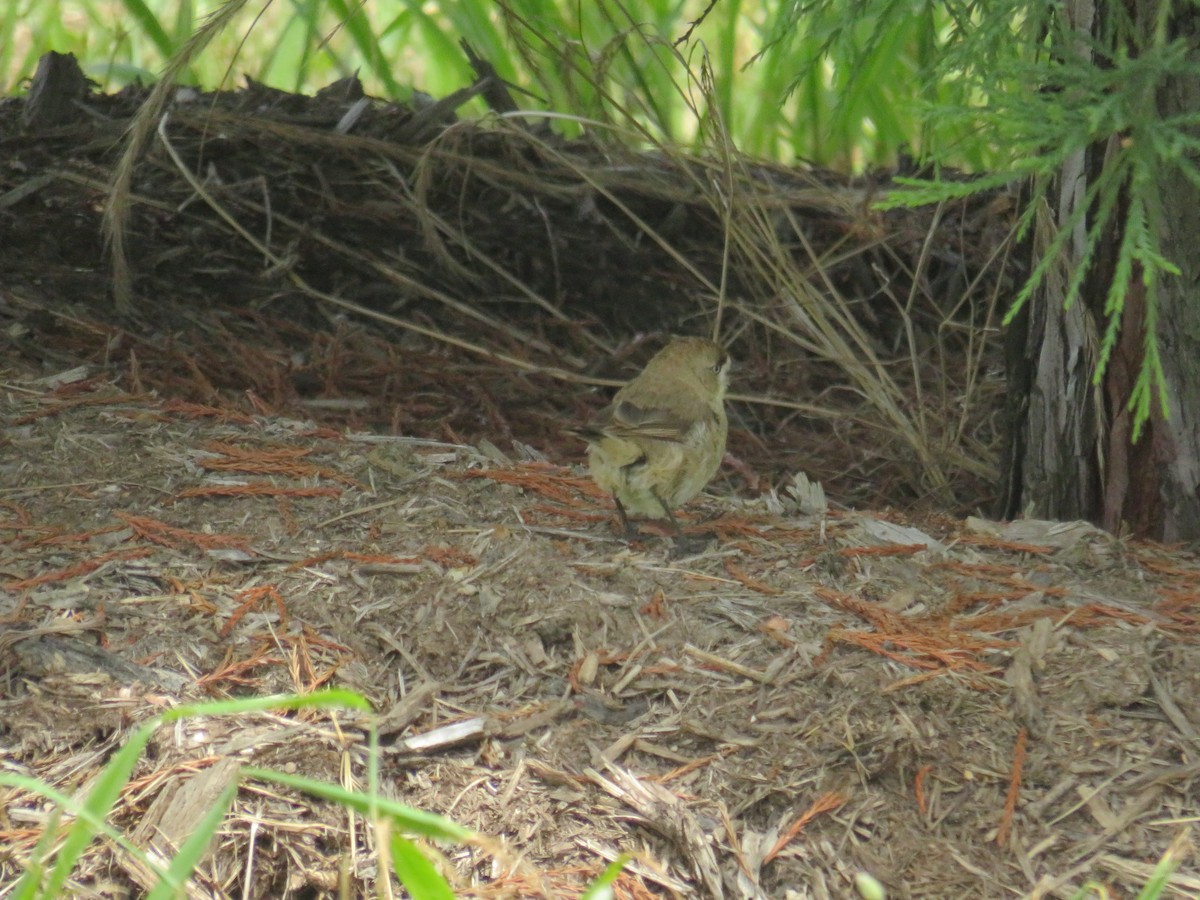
418,875
412,866
1008,86
601,888
90,816
174,879
1158,882
861,66
1053,94
820,88
49,870
413,821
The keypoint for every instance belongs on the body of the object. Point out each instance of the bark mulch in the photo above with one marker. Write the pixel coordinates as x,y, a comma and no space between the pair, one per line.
321,445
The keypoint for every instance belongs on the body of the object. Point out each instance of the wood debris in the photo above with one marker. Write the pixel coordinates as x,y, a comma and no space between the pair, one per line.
1007,715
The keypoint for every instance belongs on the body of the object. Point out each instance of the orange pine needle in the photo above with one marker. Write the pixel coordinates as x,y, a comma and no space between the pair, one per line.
80,568
825,803
1014,789
165,535
919,788
249,599
737,573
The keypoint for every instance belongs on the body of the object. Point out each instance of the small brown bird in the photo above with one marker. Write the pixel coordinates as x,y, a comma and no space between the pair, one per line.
662,438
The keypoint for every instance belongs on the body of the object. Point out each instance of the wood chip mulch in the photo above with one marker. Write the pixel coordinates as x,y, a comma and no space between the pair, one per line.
959,707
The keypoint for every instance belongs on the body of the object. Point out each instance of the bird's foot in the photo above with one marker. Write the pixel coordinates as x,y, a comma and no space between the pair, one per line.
686,545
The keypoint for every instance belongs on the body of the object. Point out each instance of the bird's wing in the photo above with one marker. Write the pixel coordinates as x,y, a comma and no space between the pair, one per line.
630,419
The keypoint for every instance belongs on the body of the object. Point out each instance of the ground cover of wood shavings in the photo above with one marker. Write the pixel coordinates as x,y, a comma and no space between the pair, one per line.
960,708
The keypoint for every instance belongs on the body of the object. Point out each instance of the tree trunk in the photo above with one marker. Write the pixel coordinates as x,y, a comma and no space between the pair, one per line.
1177,439
1072,454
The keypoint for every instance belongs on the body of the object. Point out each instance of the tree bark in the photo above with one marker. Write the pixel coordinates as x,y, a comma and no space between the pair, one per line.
1055,463
1072,454
1054,467
1177,439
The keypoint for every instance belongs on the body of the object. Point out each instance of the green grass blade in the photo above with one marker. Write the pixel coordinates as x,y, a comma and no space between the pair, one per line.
356,23
8,28
440,46
112,779
413,821
185,19
30,884
317,700
474,22
123,72
151,27
91,814
27,887
418,875
1160,878
287,61
601,888
172,884
725,62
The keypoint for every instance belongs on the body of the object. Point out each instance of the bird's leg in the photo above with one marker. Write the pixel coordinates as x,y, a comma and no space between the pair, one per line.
684,544
670,515
630,531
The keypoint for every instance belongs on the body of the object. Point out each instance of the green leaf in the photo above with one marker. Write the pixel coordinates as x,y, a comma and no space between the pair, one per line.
601,888
173,882
31,883
418,875
151,27
412,821
316,700
355,21
109,784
